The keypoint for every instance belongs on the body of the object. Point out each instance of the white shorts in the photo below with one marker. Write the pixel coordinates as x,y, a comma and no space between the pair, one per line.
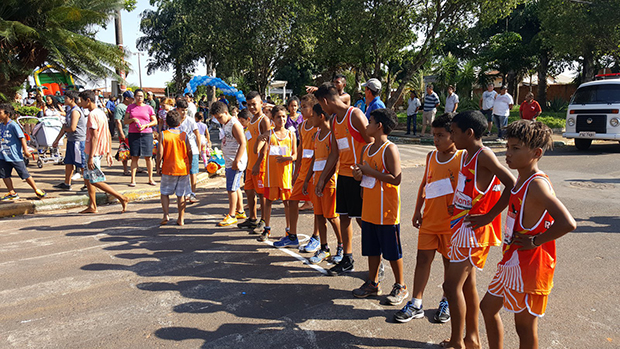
179,185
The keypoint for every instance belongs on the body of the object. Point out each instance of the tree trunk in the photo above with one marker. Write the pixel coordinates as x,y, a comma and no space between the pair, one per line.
401,88
543,68
513,85
588,70
210,72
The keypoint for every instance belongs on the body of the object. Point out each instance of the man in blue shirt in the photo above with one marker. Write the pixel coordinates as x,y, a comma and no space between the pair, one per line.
12,144
372,92
431,102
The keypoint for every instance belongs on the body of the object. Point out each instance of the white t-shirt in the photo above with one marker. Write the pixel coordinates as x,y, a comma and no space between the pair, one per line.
502,104
191,110
188,126
451,101
230,145
413,104
488,98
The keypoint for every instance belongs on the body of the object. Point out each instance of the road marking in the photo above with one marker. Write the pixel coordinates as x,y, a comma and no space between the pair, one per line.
297,256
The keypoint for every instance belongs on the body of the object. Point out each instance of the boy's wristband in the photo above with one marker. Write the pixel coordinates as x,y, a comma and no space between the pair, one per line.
534,241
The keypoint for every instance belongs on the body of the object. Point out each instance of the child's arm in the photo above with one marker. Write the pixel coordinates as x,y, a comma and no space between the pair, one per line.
160,151
417,213
209,144
392,164
25,147
237,133
330,165
308,176
261,142
541,195
359,121
109,157
490,162
93,144
188,149
357,172
298,159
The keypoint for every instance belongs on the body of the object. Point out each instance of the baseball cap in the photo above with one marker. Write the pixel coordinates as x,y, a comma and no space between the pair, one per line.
373,84
127,94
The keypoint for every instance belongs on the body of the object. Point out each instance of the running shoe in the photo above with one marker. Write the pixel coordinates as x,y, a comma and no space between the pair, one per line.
398,295
63,186
241,215
40,193
9,197
313,245
286,242
264,236
367,289
319,256
345,266
259,227
408,313
443,312
248,224
337,258
228,220
192,199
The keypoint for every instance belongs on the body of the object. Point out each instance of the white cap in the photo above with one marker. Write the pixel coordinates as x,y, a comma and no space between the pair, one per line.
373,84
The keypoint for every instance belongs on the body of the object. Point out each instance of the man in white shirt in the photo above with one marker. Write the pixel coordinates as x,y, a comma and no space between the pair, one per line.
452,101
486,104
191,106
501,110
413,104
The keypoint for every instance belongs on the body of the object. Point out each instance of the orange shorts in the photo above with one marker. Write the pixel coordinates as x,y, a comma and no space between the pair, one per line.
516,302
254,182
275,193
438,242
476,255
298,187
325,205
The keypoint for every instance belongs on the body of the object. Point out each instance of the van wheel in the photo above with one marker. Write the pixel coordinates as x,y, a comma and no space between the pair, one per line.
583,144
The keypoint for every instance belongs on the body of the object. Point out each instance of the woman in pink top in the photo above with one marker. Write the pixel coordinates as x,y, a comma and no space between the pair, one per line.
141,118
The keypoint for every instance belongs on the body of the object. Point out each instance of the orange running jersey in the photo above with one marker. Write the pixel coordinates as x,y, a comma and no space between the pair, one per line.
307,145
350,149
441,180
251,135
174,158
381,204
528,271
322,148
468,199
279,175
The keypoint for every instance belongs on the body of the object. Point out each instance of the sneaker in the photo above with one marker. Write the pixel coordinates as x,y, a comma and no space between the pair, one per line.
345,266
259,227
40,193
228,220
381,275
84,188
409,312
9,197
286,242
264,236
443,313
367,289
241,215
63,186
76,176
248,224
319,256
337,258
312,245
398,295
192,199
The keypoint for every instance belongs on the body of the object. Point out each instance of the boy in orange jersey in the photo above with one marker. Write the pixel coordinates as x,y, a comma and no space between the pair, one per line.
302,166
255,172
435,195
524,276
380,175
173,156
348,138
280,147
475,224
324,202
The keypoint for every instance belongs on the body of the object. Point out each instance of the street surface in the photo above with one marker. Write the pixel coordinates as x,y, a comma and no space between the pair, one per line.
121,281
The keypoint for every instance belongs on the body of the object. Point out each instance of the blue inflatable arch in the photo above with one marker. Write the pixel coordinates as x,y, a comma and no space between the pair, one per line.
206,80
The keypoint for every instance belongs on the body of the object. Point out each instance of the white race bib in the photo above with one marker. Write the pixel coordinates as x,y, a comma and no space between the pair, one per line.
509,228
277,150
319,165
439,188
343,144
460,184
248,135
368,182
308,153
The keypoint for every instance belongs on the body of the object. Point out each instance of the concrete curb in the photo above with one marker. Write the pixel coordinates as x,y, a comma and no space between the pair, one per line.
13,209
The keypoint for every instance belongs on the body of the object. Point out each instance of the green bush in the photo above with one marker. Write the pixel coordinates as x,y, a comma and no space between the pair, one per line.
557,105
28,111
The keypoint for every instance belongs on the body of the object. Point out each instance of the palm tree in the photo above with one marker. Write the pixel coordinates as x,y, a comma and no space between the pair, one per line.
57,32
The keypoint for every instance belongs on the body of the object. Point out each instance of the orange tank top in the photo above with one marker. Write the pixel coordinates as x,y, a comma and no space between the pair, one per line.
468,199
528,271
439,191
174,156
307,148
279,175
381,204
322,148
349,148
251,135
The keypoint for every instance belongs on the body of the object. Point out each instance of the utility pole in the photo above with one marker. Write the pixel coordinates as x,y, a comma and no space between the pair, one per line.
119,86
139,67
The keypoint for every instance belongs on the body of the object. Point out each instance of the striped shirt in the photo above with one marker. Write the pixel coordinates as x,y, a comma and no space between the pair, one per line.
430,101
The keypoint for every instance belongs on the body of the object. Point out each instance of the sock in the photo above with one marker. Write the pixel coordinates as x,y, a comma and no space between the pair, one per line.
325,247
348,257
417,303
292,236
444,299
287,230
267,230
316,237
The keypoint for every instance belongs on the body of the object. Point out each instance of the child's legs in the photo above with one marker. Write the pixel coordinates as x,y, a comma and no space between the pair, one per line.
287,212
472,310
108,189
124,165
232,202
458,273
422,272
527,329
193,179
92,195
373,268
397,268
181,207
321,224
251,202
31,183
9,185
68,173
335,222
266,212
293,215
165,204
239,195
490,308
263,205
346,231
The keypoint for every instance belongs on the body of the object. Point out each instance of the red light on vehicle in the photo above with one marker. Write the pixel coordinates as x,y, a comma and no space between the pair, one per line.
573,112
615,111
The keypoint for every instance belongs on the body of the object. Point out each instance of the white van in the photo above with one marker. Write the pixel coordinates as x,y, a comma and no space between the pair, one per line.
594,112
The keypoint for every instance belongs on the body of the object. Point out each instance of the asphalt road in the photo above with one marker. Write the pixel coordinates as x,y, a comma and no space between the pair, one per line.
121,281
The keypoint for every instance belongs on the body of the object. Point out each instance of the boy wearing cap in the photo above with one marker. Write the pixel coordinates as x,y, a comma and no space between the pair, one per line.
373,100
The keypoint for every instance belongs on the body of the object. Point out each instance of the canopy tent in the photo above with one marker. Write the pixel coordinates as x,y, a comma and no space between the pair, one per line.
217,82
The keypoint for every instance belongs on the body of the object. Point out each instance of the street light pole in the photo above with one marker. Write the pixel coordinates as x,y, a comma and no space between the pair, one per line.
139,68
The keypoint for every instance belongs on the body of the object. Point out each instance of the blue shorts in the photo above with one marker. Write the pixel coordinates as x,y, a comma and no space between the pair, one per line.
75,154
6,168
233,179
195,164
488,113
381,239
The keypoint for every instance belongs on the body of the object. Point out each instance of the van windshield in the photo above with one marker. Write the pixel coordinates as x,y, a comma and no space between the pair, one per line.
597,94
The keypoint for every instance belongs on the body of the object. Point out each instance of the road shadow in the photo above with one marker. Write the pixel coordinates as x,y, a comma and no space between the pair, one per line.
604,224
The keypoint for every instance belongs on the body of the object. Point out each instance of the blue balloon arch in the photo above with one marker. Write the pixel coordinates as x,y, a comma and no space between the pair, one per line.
206,80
